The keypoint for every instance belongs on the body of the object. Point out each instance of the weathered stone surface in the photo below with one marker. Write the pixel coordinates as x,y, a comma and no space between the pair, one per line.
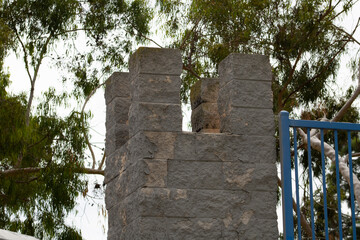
160,202
155,61
165,184
248,227
148,228
116,163
245,93
118,85
238,66
235,148
205,90
249,176
143,173
116,136
156,88
205,116
117,111
194,174
111,194
184,146
156,173
263,204
194,228
247,121
154,117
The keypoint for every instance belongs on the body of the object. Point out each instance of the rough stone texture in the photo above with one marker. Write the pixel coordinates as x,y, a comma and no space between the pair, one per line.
117,111
118,85
245,97
156,88
116,136
162,183
204,117
154,117
206,90
244,67
157,61
203,97
250,94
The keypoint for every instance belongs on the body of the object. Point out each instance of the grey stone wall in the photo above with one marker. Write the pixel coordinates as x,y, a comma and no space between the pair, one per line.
218,182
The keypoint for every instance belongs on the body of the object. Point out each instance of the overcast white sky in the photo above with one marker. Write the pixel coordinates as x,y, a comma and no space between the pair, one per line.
90,217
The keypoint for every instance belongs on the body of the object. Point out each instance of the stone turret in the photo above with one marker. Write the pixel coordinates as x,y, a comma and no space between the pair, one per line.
218,182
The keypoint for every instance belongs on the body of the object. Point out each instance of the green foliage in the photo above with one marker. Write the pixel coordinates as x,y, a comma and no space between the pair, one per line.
301,37
42,153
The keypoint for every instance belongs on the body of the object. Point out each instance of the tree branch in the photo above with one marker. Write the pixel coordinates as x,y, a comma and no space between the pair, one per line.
30,170
102,161
83,123
305,225
329,152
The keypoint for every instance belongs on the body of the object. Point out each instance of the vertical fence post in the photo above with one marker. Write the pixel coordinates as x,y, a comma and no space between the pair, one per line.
288,222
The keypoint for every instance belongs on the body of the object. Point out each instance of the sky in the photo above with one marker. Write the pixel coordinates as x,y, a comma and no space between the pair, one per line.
89,215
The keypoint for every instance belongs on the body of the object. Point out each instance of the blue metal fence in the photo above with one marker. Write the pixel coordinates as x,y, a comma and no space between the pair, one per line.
286,125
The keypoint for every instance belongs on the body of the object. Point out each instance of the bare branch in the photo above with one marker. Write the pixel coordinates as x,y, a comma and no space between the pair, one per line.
329,152
31,170
190,70
305,225
102,161
83,124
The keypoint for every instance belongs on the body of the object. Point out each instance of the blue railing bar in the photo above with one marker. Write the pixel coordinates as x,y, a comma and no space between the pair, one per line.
351,186
297,186
288,219
324,125
338,182
310,183
324,183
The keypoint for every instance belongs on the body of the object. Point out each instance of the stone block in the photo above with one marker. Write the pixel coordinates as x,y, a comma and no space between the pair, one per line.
248,227
194,174
116,136
250,176
244,93
247,121
184,146
152,145
238,66
235,148
111,193
205,116
211,147
118,85
205,90
203,203
154,117
156,88
194,228
117,111
262,204
143,173
116,163
155,61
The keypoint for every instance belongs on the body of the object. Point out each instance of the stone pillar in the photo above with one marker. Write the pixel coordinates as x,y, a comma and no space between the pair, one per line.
245,109
167,184
117,100
203,97
245,96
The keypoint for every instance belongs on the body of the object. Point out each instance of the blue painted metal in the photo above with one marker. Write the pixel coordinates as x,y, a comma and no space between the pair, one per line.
351,186
285,124
324,184
297,185
311,185
288,219
338,182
